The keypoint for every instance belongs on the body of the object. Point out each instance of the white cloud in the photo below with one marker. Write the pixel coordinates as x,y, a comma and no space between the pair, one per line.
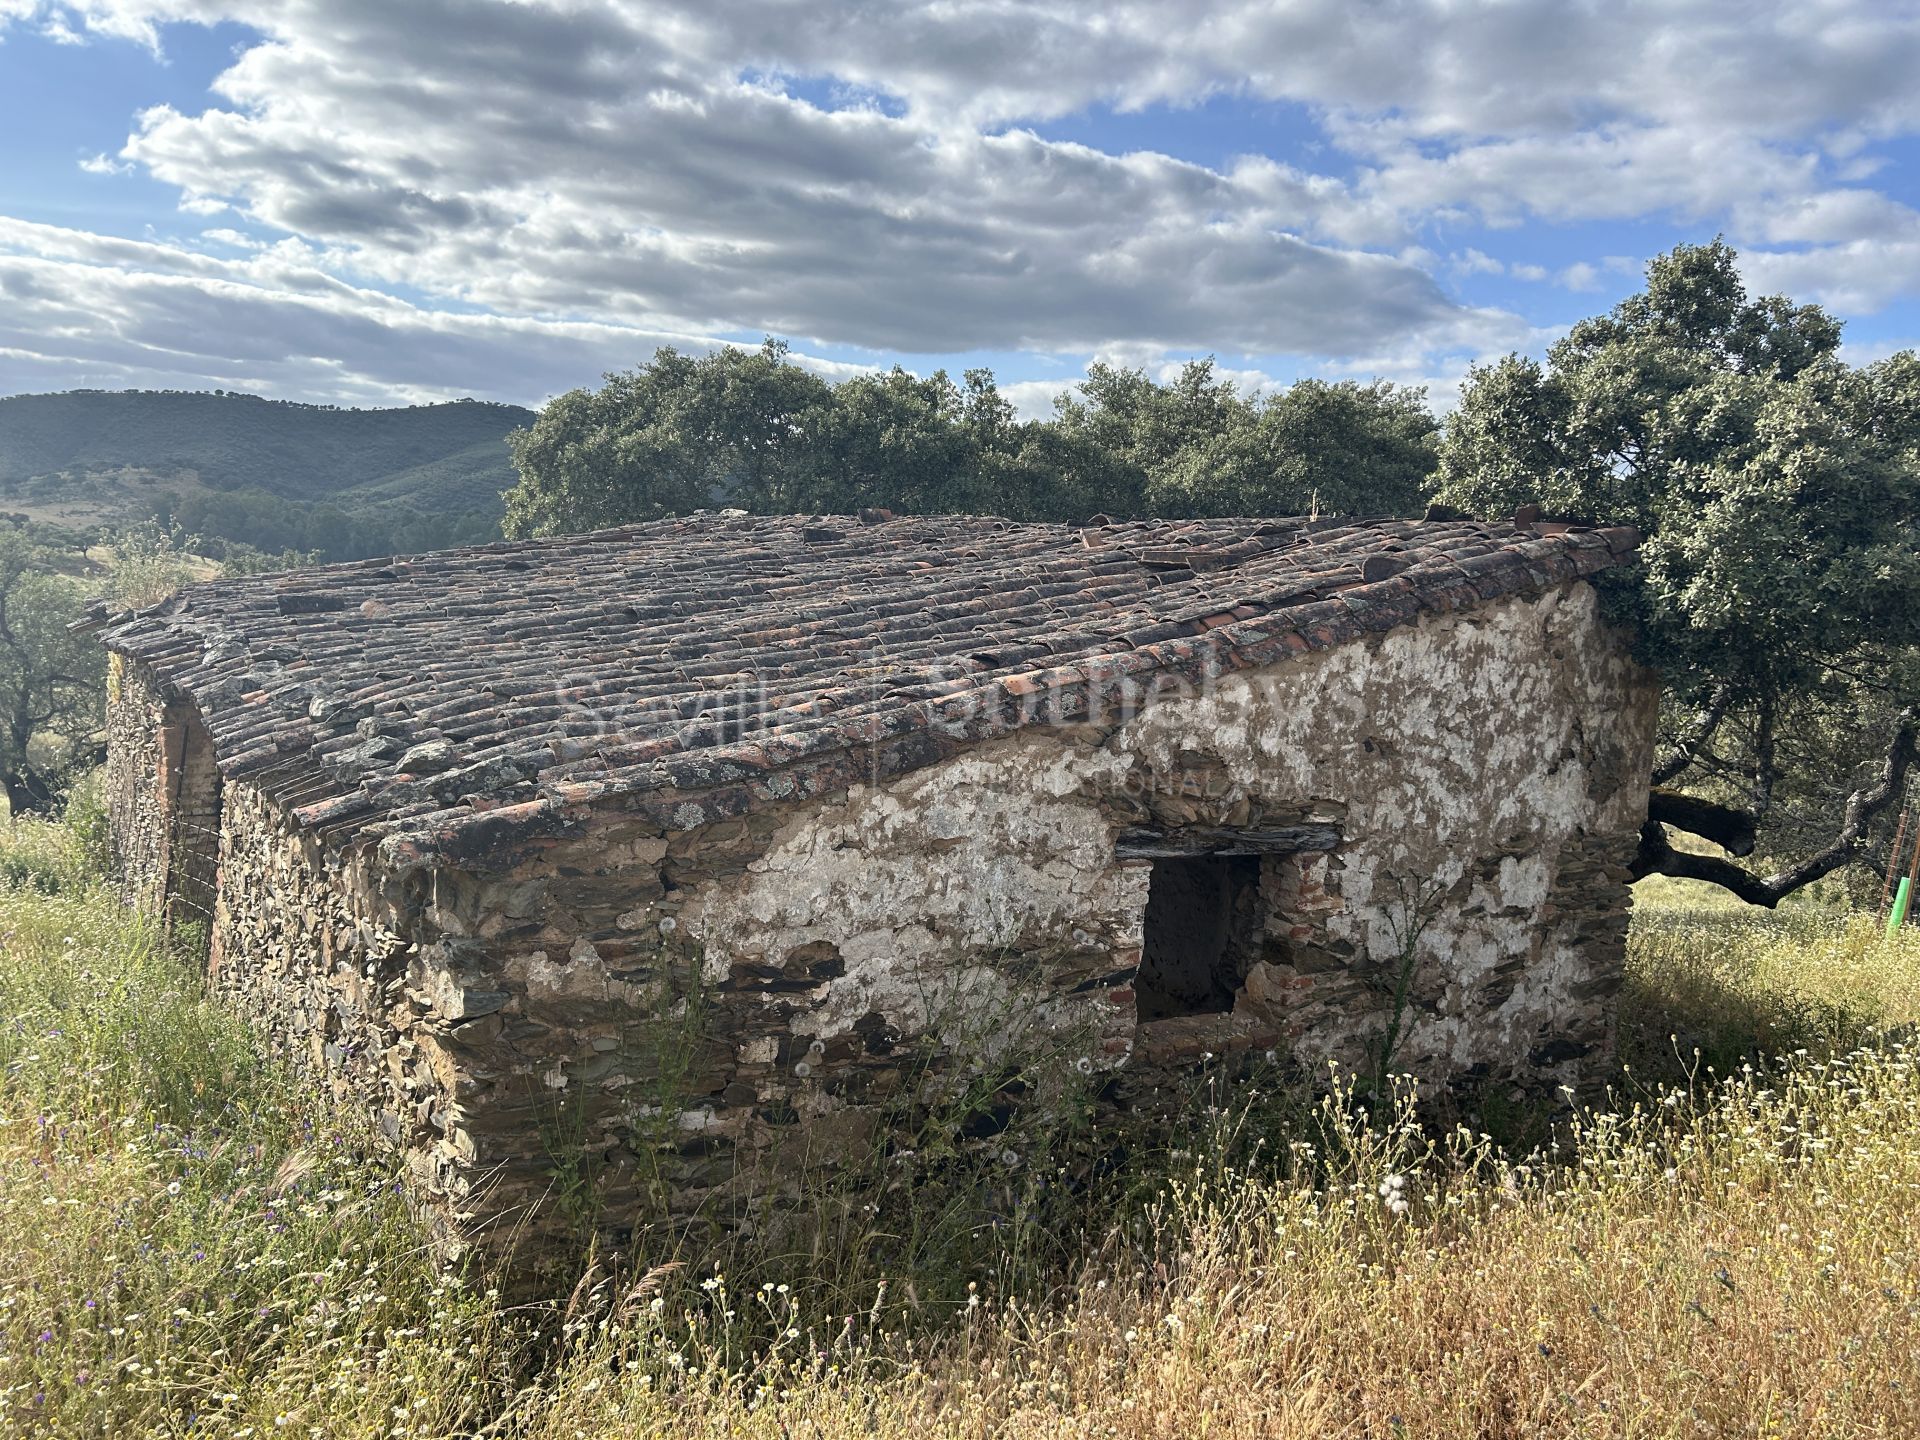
1033,399
233,239
665,202
1858,277
1586,276
1476,262
87,310
639,167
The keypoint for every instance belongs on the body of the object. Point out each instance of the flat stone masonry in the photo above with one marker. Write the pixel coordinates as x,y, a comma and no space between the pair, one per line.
686,1018
163,796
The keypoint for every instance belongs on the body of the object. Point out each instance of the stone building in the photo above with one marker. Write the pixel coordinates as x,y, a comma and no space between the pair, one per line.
658,854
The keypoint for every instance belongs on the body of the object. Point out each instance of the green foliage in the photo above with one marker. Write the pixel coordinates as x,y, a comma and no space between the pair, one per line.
1198,446
1709,990
733,427
150,563
46,856
752,430
88,825
1775,484
50,678
189,1243
1417,905
1778,489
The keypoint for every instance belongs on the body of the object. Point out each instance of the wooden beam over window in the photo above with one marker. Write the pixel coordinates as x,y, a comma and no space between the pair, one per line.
1145,842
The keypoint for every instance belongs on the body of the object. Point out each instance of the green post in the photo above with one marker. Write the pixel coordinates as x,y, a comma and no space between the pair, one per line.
1901,897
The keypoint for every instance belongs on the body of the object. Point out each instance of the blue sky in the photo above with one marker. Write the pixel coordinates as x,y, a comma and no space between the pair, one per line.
376,203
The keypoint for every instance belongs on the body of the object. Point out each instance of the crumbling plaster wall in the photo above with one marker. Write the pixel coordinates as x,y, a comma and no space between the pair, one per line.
685,1019
623,1023
1487,770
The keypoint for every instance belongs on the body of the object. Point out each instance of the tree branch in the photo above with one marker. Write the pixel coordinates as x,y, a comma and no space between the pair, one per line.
1730,829
1704,724
1763,758
1658,857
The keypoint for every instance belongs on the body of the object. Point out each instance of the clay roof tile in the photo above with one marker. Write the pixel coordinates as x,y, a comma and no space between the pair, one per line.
701,665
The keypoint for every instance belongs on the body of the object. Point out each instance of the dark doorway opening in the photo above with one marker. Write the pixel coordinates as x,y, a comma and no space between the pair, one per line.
1201,910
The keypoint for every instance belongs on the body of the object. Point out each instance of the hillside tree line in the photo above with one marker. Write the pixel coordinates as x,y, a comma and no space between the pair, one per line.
752,429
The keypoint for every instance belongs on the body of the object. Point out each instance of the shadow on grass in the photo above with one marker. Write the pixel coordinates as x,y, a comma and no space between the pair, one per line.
1710,990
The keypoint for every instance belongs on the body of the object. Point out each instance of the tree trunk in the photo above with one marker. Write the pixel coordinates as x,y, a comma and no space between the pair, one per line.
26,794
1732,828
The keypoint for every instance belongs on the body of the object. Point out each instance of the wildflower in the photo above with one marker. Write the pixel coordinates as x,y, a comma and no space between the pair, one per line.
1084,1065
802,1069
173,1187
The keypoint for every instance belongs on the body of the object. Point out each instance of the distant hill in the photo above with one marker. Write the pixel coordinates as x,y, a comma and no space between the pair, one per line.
426,454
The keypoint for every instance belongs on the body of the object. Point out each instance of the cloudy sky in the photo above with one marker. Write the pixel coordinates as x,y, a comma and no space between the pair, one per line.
377,201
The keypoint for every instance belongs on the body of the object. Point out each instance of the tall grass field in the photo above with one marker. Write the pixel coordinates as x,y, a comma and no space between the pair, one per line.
194,1243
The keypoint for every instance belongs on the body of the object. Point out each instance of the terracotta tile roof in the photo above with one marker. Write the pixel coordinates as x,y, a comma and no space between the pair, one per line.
464,702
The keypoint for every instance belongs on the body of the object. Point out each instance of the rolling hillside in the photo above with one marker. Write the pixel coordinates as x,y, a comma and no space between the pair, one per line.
272,475
227,441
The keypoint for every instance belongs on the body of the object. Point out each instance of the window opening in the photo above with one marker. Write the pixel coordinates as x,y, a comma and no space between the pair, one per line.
1202,912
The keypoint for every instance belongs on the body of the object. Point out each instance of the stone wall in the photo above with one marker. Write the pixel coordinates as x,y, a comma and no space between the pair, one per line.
163,796
627,1022
341,966
688,1018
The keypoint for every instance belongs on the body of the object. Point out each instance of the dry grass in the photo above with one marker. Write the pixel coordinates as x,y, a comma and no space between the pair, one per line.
187,1248
1710,989
1749,1269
